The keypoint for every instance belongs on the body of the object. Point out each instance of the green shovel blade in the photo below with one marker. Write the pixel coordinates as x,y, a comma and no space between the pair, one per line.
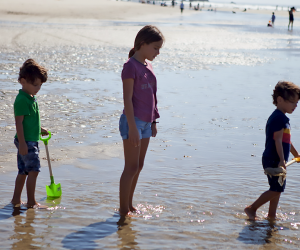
53,190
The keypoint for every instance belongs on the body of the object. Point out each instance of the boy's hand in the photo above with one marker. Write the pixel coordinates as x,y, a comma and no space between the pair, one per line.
44,131
23,149
282,164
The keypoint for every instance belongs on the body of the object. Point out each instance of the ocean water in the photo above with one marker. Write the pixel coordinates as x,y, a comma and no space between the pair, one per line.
238,5
215,79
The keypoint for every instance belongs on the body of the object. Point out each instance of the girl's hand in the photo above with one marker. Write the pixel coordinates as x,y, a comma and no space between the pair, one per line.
44,131
154,129
134,137
282,164
23,149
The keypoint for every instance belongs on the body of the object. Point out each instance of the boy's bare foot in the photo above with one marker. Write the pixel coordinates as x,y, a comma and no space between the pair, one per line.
250,212
37,206
17,203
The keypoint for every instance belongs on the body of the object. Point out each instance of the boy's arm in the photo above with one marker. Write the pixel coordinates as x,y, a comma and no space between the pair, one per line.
294,151
23,149
278,143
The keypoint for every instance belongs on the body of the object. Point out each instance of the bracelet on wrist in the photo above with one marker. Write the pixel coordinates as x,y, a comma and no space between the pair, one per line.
155,122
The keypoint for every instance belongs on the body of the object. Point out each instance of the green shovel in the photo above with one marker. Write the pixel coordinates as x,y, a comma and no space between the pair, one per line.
53,190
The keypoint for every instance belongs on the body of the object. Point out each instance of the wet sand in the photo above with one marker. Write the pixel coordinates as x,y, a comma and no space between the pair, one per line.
215,79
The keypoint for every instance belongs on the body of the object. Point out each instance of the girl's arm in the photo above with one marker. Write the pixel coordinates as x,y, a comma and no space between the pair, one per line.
294,151
154,129
23,149
133,134
278,143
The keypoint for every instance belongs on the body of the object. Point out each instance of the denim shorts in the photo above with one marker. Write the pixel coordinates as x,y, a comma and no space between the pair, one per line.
273,180
144,128
31,161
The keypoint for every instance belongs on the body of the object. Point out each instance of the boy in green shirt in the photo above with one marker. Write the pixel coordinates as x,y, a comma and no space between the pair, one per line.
28,126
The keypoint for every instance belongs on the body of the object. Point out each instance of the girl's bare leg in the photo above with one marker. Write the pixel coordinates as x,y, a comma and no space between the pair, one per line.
143,150
131,154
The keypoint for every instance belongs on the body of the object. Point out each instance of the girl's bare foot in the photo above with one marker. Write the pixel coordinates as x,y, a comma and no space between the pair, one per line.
250,212
124,212
271,219
132,209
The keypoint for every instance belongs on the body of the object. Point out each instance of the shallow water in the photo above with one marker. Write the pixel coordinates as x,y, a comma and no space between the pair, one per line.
214,100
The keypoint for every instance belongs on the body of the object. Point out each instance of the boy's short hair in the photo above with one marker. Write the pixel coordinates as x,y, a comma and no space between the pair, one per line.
287,90
31,71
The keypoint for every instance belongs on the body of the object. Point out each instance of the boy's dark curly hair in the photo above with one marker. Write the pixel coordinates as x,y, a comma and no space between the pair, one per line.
287,90
31,71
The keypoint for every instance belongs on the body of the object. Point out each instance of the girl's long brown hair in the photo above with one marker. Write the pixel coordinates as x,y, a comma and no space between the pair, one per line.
147,34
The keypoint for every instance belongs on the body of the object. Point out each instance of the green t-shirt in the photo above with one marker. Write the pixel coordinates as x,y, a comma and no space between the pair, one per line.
27,105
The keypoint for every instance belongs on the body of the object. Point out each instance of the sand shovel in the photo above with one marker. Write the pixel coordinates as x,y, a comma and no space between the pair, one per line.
297,159
53,190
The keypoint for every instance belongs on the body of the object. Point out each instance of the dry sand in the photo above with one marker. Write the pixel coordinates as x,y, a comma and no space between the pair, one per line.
46,10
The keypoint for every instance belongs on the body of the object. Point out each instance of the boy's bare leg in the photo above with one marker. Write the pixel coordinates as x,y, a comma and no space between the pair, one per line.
264,198
19,184
131,154
143,150
273,207
30,185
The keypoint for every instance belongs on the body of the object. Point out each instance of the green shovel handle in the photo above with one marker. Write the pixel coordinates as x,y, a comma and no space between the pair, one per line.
45,140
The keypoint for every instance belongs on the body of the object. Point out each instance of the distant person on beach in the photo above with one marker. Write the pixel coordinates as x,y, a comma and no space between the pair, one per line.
270,24
277,147
181,6
273,18
291,18
138,121
173,3
28,126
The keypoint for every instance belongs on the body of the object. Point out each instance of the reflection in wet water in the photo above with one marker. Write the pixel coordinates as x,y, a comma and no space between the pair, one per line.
127,234
259,232
26,235
9,210
90,236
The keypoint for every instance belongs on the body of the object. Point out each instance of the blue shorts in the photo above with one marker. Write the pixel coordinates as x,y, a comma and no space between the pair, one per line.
144,128
273,180
31,161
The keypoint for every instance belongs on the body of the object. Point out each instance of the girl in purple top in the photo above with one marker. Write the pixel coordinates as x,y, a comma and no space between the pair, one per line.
138,121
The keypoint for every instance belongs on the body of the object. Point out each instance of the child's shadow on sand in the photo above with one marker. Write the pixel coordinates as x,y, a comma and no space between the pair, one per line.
259,233
86,237
9,211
